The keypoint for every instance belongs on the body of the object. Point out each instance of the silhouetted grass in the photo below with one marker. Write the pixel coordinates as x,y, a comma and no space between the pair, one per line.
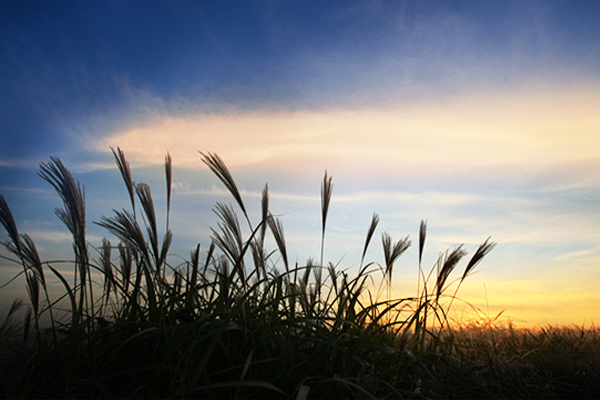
233,321
485,361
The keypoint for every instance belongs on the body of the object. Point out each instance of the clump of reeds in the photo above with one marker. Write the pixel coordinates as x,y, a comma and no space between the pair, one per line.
228,322
486,359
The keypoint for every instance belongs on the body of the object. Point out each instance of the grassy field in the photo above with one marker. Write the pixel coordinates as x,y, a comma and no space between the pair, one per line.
237,320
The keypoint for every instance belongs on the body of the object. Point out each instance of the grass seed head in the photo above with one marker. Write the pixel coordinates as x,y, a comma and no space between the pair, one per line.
125,169
447,264
482,251
218,167
7,220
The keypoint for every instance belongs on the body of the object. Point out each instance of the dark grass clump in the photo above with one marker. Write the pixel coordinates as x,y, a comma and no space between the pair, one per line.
495,361
237,320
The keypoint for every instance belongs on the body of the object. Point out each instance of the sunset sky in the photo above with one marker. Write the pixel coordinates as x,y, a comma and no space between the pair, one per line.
481,117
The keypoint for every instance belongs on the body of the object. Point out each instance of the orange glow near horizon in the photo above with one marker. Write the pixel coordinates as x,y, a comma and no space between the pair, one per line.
522,303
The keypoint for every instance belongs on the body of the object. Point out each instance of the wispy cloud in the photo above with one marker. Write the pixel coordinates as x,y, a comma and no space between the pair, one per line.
18,163
496,133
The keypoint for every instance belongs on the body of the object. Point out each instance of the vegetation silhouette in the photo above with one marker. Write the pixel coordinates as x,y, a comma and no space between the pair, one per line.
228,322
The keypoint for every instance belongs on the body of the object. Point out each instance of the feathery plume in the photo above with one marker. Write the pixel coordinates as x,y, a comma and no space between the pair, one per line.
126,174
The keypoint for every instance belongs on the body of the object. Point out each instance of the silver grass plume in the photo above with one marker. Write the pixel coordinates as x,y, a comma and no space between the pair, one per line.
277,230
218,167
447,263
479,254
326,190
145,196
372,227
422,235
105,256
7,220
73,197
391,253
265,212
126,174
169,177
126,256
229,237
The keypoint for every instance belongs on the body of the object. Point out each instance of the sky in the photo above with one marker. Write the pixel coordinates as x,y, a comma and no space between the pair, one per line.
480,117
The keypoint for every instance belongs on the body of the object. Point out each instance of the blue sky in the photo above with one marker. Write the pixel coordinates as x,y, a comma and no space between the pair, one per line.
481,117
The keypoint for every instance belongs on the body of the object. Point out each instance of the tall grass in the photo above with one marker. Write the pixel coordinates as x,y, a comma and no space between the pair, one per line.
236,320
489,360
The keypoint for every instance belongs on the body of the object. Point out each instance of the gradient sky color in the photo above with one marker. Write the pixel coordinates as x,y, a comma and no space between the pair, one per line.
481,117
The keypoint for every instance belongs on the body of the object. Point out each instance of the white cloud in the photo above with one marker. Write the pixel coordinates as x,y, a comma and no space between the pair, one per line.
55,236
50,236
19,163
523,133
